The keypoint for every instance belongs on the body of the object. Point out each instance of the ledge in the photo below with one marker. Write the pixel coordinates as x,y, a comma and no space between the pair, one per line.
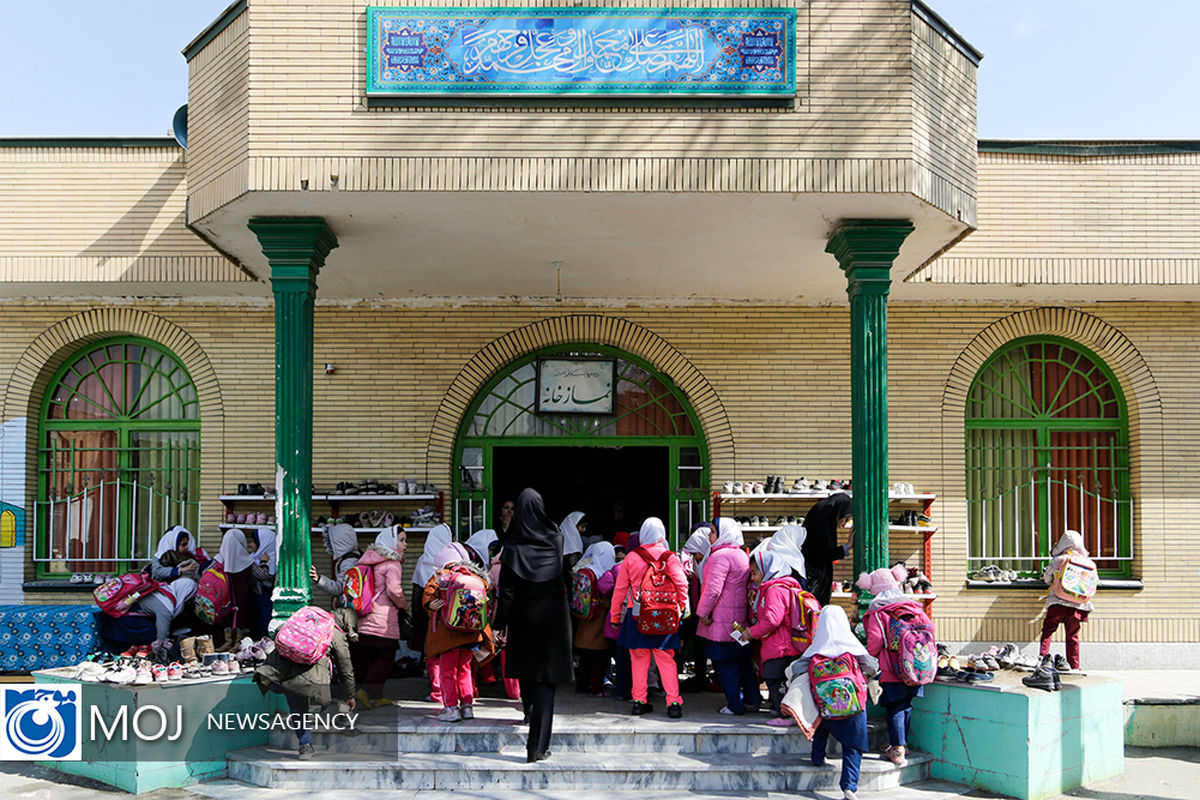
1129,584
57,586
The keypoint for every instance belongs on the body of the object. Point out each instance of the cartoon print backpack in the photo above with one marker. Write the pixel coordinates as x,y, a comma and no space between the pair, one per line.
585,595
358,589
116,596
658,605
465,593
306,635
910,641
838,686
803,620
214,597
1076,580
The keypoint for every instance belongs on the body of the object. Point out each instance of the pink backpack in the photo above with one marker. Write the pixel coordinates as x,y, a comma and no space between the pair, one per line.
214,597
1076,580
910,642
838,686
306,635
116,596
465,593
358,590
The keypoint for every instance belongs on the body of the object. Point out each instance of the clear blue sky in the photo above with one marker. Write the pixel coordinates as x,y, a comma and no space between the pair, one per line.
1068,69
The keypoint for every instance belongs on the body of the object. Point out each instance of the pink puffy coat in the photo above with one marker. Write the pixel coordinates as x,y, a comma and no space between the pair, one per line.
875,623
608,582
723,593
383,619
774,626
633,570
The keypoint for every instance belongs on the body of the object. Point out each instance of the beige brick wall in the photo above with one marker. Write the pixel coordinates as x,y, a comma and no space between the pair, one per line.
1121,219
850,129
100,213
782,375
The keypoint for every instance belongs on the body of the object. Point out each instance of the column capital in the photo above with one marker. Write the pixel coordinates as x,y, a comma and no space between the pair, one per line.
868,243
295,247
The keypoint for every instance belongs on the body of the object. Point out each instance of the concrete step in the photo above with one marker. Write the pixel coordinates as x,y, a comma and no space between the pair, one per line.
278,768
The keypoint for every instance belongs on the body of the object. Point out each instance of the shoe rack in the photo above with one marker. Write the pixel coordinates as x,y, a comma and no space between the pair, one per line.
398,504
904,540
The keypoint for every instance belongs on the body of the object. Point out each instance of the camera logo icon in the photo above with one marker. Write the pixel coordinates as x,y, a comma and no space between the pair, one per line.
42,723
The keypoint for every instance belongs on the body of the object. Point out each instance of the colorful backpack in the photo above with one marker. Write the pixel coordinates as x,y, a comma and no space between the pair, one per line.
911,642
586,600
838,686
1076,580
657,600
214,598
805,608
465,593
116,596
306,635
358,590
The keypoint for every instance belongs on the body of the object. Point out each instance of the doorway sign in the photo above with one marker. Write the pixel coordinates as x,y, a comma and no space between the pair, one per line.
642,52
576,386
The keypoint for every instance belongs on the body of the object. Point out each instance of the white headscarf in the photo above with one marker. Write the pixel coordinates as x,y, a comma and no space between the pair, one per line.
786,543
1071,540
233,555
770,565
572,541
170,540
698,543
437,538
453,553
180,590
833,635
480,541
387,542
652,531
599,558
341,539
729,532
266,544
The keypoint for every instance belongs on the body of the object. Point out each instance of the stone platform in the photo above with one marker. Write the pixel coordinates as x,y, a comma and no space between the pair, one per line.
597,745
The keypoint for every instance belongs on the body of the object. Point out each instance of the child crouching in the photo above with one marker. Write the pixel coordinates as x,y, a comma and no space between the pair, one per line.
837,666
456,597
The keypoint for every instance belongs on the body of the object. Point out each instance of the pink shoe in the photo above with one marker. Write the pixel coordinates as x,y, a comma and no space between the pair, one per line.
781,722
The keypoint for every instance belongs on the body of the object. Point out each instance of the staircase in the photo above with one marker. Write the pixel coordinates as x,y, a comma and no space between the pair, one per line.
596,745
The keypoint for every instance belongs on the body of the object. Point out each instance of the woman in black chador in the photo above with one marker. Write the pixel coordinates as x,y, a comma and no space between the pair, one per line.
533,612
821,546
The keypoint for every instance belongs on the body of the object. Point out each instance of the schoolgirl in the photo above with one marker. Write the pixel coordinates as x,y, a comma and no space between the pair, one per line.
454,649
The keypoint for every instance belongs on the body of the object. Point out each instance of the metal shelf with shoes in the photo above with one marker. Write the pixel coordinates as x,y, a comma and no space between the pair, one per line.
910,529
392,505
251,505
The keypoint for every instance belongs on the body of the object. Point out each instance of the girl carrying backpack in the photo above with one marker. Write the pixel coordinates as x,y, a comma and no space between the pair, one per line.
652,587
591,596
460,632
379,629
889,619
837,666
785,613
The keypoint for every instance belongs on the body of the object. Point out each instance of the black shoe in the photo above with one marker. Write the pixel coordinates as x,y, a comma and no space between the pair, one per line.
1061,664
1042,678
641,708
675,710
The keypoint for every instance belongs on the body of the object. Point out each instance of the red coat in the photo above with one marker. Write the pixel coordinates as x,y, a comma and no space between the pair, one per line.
774,626
633,570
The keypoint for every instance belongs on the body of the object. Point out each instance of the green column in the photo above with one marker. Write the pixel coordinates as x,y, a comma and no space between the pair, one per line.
295,248
865,250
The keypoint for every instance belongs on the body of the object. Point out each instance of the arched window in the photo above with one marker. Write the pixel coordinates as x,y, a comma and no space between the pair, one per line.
1047,450
118,457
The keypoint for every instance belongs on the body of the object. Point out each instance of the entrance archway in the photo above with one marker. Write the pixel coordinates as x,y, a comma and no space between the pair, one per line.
646,455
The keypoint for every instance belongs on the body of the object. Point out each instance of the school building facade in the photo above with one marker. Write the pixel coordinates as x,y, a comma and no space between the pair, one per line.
826,277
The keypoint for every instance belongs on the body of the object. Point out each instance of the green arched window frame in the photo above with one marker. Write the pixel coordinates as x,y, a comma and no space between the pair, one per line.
1047,448
482,429
118,457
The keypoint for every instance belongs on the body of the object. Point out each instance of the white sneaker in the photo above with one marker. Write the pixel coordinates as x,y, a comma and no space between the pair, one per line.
449,715
726,710
848,795
466,711
142,676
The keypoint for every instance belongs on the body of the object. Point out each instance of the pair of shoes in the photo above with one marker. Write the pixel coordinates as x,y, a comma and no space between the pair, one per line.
305,752
895,754
675,710
781,722
466,710
640,708
451,714
983,663
974,676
